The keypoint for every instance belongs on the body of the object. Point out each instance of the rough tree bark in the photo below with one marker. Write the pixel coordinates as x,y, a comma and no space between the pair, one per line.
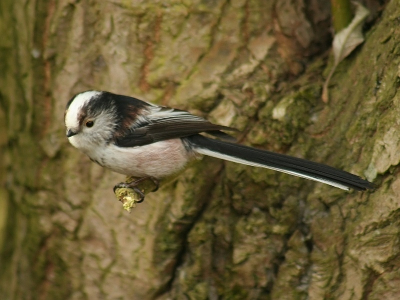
221,231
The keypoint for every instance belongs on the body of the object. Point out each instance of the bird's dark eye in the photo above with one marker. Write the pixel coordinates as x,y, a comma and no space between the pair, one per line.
89,124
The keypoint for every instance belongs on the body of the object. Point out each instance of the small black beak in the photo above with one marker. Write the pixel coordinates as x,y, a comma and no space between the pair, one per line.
70,133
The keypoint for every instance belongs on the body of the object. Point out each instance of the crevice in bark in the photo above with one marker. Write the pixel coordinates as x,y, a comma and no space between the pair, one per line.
179,235
212,34
369,284
148,52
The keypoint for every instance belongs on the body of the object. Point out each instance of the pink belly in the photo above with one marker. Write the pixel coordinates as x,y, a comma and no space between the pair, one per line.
159,159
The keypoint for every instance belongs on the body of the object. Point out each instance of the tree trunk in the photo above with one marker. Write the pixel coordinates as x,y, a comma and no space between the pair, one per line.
221,230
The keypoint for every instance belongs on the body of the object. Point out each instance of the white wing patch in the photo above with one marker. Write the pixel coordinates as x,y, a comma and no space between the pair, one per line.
163,113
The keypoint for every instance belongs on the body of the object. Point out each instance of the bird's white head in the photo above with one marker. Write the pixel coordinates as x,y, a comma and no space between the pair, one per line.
90,119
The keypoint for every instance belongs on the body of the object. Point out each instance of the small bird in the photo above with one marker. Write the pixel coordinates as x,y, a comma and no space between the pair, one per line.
143,140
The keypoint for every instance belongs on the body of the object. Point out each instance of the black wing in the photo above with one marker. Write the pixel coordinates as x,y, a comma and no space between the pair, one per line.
162,123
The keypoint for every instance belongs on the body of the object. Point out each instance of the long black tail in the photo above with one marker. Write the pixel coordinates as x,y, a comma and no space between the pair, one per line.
279,162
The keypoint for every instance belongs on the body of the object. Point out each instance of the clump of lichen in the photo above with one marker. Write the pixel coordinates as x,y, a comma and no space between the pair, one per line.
130,197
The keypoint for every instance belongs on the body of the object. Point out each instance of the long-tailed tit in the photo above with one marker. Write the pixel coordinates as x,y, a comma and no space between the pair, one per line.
143,140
